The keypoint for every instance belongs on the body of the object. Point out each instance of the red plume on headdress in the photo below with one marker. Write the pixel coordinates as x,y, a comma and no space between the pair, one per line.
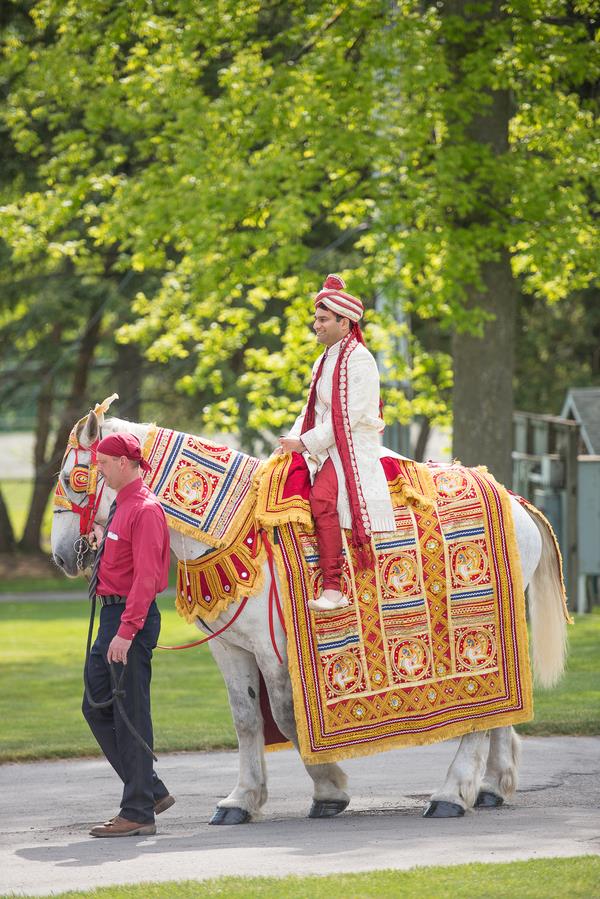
334,282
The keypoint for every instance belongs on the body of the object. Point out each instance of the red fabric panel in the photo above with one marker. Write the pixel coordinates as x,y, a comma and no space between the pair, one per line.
271,731
391,467
323,504
298,479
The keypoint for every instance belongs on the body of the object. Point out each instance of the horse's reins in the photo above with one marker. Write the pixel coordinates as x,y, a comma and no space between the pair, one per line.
274,600
117,685
239,611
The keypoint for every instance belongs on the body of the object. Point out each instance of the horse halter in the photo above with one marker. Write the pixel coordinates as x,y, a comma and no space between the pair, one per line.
82,479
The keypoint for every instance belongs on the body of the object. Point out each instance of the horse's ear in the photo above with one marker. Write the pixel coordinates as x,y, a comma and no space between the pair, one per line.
90,431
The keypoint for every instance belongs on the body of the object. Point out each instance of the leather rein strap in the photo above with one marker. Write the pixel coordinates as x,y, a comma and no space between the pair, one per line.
117,684
274,602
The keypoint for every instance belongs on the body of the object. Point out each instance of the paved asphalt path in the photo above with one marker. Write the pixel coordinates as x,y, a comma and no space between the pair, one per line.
48,807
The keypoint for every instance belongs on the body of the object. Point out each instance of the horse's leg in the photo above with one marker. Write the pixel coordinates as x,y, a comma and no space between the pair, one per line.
500,779
461,786
329,795
240,672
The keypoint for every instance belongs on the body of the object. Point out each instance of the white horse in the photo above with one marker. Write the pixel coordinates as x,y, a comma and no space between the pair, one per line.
484,770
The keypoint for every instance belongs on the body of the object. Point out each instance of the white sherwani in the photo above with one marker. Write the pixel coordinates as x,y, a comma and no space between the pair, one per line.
366,425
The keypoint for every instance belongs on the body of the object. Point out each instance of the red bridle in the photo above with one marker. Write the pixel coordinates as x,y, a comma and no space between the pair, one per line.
83,478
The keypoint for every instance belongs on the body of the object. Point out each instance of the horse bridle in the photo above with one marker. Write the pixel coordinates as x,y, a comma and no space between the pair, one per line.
82,479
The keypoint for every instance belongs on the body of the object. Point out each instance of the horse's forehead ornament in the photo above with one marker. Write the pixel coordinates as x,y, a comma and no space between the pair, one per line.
83,478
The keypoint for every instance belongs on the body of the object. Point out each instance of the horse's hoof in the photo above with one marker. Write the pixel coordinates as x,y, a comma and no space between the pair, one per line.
438,808
487,799
231,815
327,808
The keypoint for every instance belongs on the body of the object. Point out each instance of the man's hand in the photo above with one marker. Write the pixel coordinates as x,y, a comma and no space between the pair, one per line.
94,538
118,649
291,445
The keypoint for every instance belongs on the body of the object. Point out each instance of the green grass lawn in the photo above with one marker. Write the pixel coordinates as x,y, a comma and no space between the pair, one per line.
43,647
573,707
55,584
569,878
34,584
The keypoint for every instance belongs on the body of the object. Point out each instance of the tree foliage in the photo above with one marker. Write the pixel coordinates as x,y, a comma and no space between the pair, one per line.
231,154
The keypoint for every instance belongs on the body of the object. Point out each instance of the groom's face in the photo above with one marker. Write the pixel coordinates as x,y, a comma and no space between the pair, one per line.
328,328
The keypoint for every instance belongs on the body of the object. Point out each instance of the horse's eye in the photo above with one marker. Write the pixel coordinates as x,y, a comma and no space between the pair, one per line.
78,478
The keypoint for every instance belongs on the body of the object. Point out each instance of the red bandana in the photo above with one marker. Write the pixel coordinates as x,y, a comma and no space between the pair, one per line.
123,445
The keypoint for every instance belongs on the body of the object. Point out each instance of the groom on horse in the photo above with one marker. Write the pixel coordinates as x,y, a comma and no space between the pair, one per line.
338,433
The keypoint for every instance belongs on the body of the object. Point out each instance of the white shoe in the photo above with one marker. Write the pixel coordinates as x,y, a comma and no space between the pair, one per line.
329,600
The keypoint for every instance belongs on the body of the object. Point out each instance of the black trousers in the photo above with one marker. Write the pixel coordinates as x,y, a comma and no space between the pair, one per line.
141,786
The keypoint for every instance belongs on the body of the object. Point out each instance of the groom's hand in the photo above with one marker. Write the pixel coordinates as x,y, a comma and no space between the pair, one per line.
291,445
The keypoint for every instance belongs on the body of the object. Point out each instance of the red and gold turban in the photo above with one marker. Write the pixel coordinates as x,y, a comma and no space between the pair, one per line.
334,298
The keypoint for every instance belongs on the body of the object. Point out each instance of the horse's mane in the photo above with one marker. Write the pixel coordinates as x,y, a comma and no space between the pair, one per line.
138,429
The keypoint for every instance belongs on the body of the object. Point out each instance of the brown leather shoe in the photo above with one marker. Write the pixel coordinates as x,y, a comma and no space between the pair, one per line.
121,827
161,805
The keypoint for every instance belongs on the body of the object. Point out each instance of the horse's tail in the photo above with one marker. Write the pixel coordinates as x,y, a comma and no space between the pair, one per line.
548,608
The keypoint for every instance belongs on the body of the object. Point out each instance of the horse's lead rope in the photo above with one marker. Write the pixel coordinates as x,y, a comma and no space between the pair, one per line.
239,610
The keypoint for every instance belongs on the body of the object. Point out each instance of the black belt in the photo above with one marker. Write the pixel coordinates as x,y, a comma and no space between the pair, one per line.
112,600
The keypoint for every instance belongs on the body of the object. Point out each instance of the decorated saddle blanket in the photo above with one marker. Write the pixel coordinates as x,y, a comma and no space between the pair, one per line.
205,489
434,641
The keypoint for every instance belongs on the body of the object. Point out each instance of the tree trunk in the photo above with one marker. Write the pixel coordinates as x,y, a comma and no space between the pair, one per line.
483,367
7,535
483,373
30,541
422,439
128,376
46,466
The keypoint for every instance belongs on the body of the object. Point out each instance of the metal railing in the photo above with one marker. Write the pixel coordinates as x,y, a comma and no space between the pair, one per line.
545,471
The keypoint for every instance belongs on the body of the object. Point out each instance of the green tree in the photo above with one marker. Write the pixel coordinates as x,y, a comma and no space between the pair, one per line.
557,347
443,154
59,309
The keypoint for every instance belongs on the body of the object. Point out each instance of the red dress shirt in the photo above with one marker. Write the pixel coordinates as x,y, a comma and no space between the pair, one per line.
135,561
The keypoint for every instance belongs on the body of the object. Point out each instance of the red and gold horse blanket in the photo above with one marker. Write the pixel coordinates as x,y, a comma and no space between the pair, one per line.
434,641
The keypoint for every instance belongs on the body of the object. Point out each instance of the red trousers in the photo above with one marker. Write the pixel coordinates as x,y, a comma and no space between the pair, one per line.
323,503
